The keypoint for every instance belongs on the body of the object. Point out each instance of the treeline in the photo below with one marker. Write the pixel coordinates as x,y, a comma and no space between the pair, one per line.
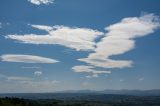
15,102
139,101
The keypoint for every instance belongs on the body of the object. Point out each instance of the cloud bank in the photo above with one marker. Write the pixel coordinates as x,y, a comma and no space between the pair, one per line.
26,58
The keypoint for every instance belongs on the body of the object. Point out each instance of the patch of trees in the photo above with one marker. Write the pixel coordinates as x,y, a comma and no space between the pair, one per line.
118,101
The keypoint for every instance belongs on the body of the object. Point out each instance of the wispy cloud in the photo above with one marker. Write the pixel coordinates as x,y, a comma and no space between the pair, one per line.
38,86
75,38
120,39
121,80
85,84
30,67
141,79
17,78
38,73
2,76
39,2
26,58
89,69
0,25
26,84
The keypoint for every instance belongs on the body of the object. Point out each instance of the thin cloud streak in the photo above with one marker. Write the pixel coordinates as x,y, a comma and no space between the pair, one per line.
16,78
26,58
89,69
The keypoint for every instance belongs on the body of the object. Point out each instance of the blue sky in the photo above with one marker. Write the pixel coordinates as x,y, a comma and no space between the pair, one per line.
55,45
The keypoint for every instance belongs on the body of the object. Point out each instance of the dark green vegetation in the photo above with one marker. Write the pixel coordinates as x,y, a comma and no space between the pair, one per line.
84,100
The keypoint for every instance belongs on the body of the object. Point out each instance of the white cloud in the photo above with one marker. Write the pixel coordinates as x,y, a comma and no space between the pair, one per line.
89,69
75,38
43,27
38,73
38,2
107,63
26,58
120,39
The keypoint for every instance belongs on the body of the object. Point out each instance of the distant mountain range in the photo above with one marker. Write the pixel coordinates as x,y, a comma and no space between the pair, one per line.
154,92
70,94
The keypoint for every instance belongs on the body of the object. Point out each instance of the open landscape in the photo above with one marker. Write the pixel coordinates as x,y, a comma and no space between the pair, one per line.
84,98
79,52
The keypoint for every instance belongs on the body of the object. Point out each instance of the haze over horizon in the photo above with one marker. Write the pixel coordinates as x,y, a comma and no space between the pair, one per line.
59,45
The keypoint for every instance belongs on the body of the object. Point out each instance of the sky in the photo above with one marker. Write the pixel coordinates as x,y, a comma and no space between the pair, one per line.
57,45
